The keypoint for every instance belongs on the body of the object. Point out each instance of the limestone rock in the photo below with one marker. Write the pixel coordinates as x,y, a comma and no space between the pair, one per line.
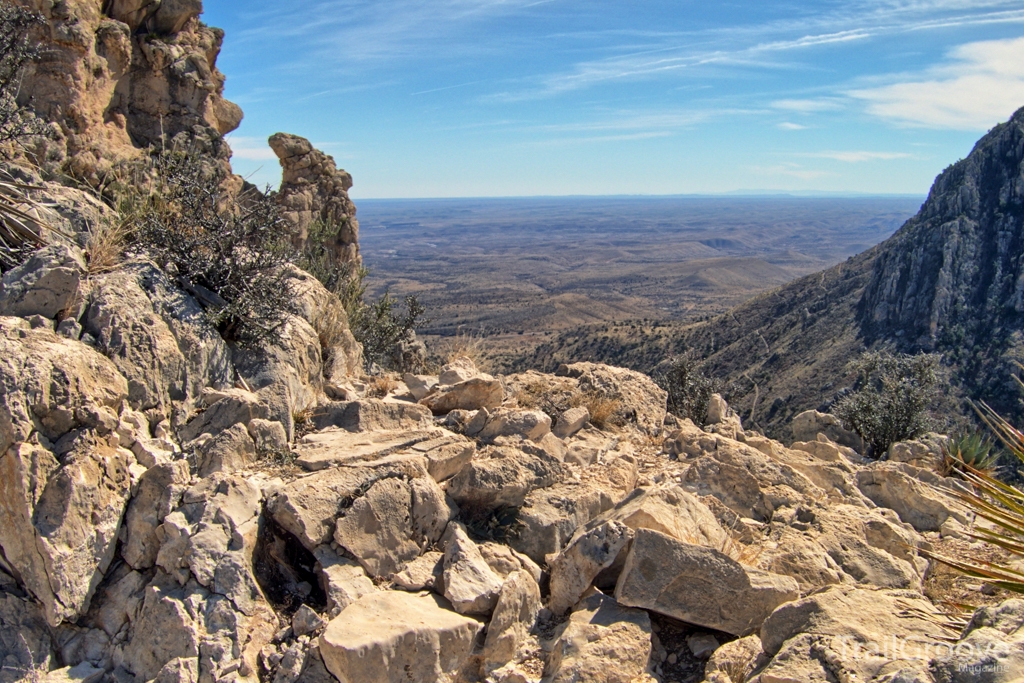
159,492
396,637
741,656
52,385
529,424
230,450
384,529
641,401
470,584
46,284
419,385
25,643
268,435
371,414
158,337
458,370
699,585
514,616
602,641
306,621
504,560
578,565
60,520
571,421
309,506
550,516
423,573
331,447
502,476
342,580
807,425
992,644
230,408
472,394
313,188
923,507
861,615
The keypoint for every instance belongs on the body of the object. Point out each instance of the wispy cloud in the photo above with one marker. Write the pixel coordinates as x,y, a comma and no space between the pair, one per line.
982,84
250,149
789,125
859,156
809,106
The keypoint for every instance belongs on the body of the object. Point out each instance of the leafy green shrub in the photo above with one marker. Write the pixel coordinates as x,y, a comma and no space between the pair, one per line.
228,255
888,402
380,325
689,387
17,49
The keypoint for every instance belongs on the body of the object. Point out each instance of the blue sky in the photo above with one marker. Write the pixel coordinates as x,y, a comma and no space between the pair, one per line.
461,98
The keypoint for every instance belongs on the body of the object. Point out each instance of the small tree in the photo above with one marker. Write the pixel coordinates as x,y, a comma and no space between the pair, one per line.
888,402
379,326
17,50
228,255
689,387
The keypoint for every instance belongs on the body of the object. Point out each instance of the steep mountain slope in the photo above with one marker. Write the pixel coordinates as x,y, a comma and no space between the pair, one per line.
951,280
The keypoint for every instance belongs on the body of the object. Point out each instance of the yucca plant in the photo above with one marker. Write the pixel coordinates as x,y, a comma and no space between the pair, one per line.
969,448
1000,504
22,228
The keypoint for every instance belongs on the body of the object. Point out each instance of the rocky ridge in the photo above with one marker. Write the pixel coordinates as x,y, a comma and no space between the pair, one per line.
181,509
165,519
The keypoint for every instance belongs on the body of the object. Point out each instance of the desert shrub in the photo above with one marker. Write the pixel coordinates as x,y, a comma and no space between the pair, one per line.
228,255
689,387
381,325
889,400
17,49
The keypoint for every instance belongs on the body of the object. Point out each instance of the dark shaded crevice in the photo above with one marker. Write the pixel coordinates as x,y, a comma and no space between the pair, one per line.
285,570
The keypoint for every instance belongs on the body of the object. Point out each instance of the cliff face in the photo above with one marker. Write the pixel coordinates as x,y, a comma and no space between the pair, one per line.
954,273
951,280
124,74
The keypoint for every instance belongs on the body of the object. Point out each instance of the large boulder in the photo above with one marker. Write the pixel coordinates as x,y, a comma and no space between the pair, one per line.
502,476
602,641
332,447
47,284
397,637
473,394
699,585
158,337
923,506
514,616
470,584
639,400
576,567
393,522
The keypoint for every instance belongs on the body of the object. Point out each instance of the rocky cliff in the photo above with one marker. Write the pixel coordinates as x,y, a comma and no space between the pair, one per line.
175,507
948,281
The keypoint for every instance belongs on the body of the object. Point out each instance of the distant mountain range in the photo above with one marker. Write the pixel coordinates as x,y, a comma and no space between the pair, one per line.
951,280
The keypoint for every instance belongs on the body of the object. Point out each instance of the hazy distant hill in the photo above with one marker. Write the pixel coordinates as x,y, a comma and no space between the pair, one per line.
950,280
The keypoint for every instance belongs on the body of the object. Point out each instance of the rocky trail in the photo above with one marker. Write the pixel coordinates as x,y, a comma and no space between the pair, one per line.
178,510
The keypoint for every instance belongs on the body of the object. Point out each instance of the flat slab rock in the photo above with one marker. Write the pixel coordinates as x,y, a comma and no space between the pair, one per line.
332,447
699,585
397,637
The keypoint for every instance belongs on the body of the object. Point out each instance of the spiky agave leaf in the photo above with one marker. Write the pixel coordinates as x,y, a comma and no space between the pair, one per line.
22,228
998,503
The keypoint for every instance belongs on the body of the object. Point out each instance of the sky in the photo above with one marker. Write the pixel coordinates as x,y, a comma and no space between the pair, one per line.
489,98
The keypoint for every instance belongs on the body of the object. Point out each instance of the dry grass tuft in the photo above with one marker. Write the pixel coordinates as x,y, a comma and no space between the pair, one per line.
381,386
603,409
463,345
105,245
331,325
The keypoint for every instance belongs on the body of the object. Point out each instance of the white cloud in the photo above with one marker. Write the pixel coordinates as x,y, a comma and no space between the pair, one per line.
858,156
787,125
250,149
808,106
982,85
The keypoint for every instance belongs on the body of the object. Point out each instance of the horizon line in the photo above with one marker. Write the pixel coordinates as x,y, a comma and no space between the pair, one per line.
732,194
